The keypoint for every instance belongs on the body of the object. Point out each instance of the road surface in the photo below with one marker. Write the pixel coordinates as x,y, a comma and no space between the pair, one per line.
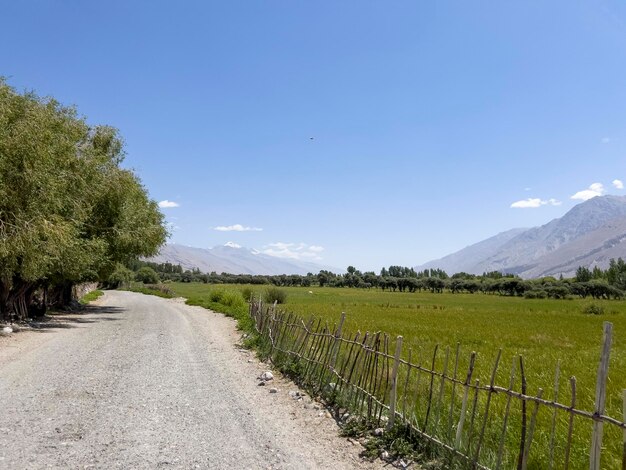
142,382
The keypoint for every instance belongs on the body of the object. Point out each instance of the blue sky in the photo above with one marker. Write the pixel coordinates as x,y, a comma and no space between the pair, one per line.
352,132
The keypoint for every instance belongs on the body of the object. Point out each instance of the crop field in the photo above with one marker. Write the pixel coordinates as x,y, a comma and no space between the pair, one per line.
543,331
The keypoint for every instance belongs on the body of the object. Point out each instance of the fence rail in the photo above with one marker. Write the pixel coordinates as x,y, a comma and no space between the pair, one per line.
473,425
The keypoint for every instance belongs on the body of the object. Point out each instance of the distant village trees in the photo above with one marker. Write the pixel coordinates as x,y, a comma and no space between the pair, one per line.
596,283
68,212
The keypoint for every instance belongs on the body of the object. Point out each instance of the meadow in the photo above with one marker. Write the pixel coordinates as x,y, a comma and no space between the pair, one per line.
543,331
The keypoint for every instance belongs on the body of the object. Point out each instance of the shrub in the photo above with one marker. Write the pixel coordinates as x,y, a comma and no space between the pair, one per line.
593,309
216,295
163,289
230,298
233,298
535,294
274,294
159,290
147,276
247,293
122,276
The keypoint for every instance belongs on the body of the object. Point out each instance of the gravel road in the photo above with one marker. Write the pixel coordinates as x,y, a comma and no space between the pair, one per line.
143,382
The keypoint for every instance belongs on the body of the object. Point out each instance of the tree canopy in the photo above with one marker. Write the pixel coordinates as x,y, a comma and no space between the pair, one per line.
68,211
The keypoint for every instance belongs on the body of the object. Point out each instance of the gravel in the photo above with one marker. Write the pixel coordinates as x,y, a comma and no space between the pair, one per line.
144,382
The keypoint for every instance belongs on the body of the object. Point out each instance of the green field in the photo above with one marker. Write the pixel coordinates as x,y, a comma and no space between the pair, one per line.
544,331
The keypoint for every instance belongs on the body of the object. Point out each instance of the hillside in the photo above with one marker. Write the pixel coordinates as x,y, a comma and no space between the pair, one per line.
590,234
233,259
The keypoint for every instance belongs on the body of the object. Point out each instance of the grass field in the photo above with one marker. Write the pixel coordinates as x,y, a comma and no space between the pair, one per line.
543,331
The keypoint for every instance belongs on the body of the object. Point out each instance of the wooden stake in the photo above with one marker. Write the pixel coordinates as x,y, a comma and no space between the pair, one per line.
487,405
459,428
453,393
531,430
555,399
506,415
520,457
570,428
441,388
394,383
335,351
603,371
430,389
406,385
473,416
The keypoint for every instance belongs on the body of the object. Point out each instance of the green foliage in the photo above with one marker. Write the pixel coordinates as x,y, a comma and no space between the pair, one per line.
93,295
583,274
122,276
536,294
68,212
593,309
160,290
224,300
274,294
147,276
247,293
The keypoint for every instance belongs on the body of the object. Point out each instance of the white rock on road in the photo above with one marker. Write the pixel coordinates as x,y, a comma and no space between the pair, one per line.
144,382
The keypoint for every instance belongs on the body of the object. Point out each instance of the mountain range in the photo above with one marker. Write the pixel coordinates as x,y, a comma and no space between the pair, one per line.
590,234
234,259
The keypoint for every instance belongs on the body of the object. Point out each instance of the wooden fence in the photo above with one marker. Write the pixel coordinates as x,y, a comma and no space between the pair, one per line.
471,424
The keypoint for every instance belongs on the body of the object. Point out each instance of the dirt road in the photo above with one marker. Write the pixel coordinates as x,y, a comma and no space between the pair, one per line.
143,382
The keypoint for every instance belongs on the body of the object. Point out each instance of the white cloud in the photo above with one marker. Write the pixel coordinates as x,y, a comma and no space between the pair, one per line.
532,203
237,228
298,251
167,204
596,189
232,245
618,184
605,140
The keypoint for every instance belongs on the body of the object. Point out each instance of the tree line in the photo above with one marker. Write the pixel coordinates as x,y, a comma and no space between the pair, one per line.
68,212
596,282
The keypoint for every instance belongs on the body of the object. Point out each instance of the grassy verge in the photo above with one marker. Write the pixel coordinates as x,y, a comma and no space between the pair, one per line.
229,301
93,295
160,290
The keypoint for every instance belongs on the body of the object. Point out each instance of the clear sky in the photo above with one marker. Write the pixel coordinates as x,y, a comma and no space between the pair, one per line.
351,132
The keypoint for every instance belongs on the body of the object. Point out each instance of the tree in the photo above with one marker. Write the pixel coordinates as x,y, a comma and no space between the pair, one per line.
68,213
147,276
120,277
616,273
583,274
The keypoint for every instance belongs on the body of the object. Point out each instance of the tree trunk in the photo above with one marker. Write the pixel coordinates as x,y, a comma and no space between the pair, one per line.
60,295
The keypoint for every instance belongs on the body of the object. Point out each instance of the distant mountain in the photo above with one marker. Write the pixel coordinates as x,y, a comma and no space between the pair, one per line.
590,234
466,259
234,259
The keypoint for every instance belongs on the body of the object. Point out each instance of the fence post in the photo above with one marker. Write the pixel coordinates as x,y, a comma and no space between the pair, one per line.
468,380
603,370
335,351
531,431
394,384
